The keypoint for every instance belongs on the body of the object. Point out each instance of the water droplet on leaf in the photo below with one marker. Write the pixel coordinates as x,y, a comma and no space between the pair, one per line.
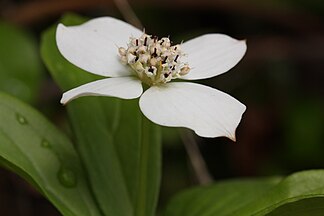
67,177
21,119
46,144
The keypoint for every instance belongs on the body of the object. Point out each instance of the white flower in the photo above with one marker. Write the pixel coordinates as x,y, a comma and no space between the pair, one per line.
112,48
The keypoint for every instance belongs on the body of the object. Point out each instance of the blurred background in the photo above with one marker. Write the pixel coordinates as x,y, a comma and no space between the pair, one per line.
280,80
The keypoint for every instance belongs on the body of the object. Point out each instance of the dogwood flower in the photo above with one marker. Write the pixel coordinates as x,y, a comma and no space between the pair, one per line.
130,58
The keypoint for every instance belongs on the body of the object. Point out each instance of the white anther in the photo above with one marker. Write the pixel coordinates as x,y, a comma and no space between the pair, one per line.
176,48
146,39
144,36
151,71
143,58
155,49
130,58
153,61
132,50
123,59
166,53
184,70
122,51
138,67
135,42
165,42
141,49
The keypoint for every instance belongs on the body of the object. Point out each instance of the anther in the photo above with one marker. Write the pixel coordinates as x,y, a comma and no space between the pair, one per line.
145,41
164,60
176,58
141,49
150,69
154,54
122,51
155,61
185,70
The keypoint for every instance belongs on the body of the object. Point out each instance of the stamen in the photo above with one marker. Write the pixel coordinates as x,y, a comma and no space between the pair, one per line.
122,51
164,60
154,61
151,69
176,58
154,54
145,41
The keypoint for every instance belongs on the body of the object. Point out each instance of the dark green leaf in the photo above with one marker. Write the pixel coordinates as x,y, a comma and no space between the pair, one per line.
20,66
223,198
304,207
35,149
303,191
120,148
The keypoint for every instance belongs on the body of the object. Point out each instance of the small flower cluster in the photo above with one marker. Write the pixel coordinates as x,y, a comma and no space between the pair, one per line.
154,61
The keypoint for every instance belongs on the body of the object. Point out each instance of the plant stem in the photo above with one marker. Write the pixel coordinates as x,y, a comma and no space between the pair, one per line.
128,13
197,161
150,169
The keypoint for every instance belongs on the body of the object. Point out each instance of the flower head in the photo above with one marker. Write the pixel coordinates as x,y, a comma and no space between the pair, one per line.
112,48
154,61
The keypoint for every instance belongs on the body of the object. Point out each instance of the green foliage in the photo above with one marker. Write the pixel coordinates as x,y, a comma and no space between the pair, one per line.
119,149
20,66
254,197
118,146
36,150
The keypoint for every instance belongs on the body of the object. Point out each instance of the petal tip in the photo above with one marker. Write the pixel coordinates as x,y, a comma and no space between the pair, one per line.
243,46
244,42
64,100
232,137
60,27
58,35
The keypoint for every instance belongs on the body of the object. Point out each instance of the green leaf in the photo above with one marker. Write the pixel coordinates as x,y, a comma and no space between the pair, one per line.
304,207
20,65
119,147
222,198
36,150
303,192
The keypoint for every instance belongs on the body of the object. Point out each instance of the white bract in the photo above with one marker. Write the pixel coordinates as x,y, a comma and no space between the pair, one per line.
130,58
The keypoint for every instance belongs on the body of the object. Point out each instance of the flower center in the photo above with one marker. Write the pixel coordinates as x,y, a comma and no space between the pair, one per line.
155,61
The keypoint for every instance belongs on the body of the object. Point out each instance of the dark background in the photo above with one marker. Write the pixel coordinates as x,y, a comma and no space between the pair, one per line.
280,80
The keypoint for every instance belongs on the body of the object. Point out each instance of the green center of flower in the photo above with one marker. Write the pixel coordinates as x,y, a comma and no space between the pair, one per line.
155,61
